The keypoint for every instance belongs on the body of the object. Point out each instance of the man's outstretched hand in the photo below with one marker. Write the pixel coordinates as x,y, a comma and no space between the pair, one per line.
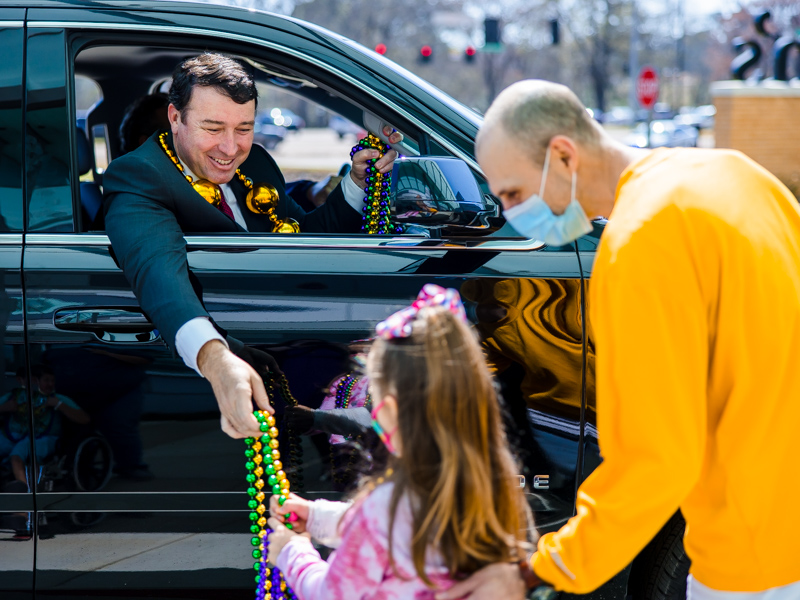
359,170
236,384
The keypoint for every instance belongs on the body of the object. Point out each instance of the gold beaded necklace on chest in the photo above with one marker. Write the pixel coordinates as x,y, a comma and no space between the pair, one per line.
261,198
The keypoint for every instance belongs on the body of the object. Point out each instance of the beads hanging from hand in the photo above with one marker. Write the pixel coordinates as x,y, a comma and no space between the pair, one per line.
375,218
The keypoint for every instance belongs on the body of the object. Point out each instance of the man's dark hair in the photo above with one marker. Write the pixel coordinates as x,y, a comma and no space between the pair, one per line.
225,74
142,118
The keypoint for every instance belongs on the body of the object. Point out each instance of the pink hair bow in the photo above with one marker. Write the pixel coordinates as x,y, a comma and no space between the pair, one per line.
398,325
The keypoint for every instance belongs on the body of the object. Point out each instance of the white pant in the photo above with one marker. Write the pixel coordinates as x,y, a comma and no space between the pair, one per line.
697,591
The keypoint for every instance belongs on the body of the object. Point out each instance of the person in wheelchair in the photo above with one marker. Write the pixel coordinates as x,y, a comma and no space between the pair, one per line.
49,409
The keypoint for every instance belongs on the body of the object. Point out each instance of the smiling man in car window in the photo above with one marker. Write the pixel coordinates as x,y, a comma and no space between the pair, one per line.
196,178
695,305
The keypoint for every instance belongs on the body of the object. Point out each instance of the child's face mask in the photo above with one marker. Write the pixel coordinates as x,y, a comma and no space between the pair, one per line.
386,436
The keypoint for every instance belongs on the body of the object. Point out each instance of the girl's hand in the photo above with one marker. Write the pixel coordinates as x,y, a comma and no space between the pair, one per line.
279,537
294,504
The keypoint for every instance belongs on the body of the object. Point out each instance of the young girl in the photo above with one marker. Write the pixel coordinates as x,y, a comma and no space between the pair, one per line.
448,504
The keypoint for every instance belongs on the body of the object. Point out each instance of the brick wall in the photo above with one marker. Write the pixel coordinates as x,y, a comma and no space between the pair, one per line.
763,121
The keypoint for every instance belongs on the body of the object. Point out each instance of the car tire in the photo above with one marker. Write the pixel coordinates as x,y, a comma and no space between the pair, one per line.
660,571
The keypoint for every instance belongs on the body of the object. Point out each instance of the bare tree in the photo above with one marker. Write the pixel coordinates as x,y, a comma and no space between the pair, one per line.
600,31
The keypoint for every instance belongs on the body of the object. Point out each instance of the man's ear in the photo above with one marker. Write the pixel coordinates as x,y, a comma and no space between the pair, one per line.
174,118
565,149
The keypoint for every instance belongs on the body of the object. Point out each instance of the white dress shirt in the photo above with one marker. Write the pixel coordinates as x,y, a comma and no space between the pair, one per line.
197,332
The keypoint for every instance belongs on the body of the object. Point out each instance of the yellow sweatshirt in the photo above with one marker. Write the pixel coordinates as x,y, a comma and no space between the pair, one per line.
695,305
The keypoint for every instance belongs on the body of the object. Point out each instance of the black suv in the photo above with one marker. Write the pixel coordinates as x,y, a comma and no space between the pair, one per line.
95,521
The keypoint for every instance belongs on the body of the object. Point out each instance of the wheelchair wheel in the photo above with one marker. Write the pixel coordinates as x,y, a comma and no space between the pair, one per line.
86,519
92,465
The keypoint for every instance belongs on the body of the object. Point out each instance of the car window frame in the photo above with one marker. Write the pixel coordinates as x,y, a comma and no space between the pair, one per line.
192,36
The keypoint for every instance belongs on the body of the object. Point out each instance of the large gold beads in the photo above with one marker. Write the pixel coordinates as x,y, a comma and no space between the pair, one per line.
263,199
209,191
288,226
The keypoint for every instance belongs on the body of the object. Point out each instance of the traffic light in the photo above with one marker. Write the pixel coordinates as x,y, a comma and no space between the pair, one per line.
380,48
555,34
425,54
491,30
469,54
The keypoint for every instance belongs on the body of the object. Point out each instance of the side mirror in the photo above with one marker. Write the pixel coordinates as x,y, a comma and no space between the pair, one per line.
435,191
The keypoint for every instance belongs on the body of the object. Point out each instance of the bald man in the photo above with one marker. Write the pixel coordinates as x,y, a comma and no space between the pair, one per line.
695,305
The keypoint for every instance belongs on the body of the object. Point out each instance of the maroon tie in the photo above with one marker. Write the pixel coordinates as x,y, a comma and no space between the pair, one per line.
224,206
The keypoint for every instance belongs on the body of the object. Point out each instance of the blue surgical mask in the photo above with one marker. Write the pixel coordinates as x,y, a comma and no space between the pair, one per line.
534,219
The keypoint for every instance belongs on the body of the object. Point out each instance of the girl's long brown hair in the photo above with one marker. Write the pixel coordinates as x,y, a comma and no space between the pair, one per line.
455,464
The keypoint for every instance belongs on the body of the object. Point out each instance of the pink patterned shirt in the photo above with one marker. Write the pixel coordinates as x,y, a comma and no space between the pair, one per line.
359,569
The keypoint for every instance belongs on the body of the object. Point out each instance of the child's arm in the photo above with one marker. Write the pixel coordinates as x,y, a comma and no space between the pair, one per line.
355,570
324,517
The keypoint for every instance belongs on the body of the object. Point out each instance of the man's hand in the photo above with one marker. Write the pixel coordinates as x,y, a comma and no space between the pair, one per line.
261,361
384,165
500,580
235,385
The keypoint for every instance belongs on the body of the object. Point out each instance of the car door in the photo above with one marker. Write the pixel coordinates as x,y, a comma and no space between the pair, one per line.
16,496
308,300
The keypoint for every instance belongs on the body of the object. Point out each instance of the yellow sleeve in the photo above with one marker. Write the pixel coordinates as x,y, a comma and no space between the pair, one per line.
652,338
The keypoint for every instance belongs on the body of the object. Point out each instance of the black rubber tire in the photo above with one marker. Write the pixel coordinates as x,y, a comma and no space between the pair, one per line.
660,571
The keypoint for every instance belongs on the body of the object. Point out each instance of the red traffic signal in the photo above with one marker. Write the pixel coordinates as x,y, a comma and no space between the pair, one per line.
469,54
380,48
425,53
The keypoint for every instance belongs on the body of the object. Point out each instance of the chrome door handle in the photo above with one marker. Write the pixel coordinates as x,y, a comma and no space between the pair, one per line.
108,324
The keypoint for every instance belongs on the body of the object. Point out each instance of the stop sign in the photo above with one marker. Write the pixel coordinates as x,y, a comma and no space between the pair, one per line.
647,87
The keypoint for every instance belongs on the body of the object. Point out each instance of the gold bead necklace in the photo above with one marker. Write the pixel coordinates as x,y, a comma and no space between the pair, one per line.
261,199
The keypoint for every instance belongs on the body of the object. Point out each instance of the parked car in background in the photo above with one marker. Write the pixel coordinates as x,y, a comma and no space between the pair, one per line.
266,133
344,127
596,114
663,133
308,299
619,115
662,111
699,117
283,117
